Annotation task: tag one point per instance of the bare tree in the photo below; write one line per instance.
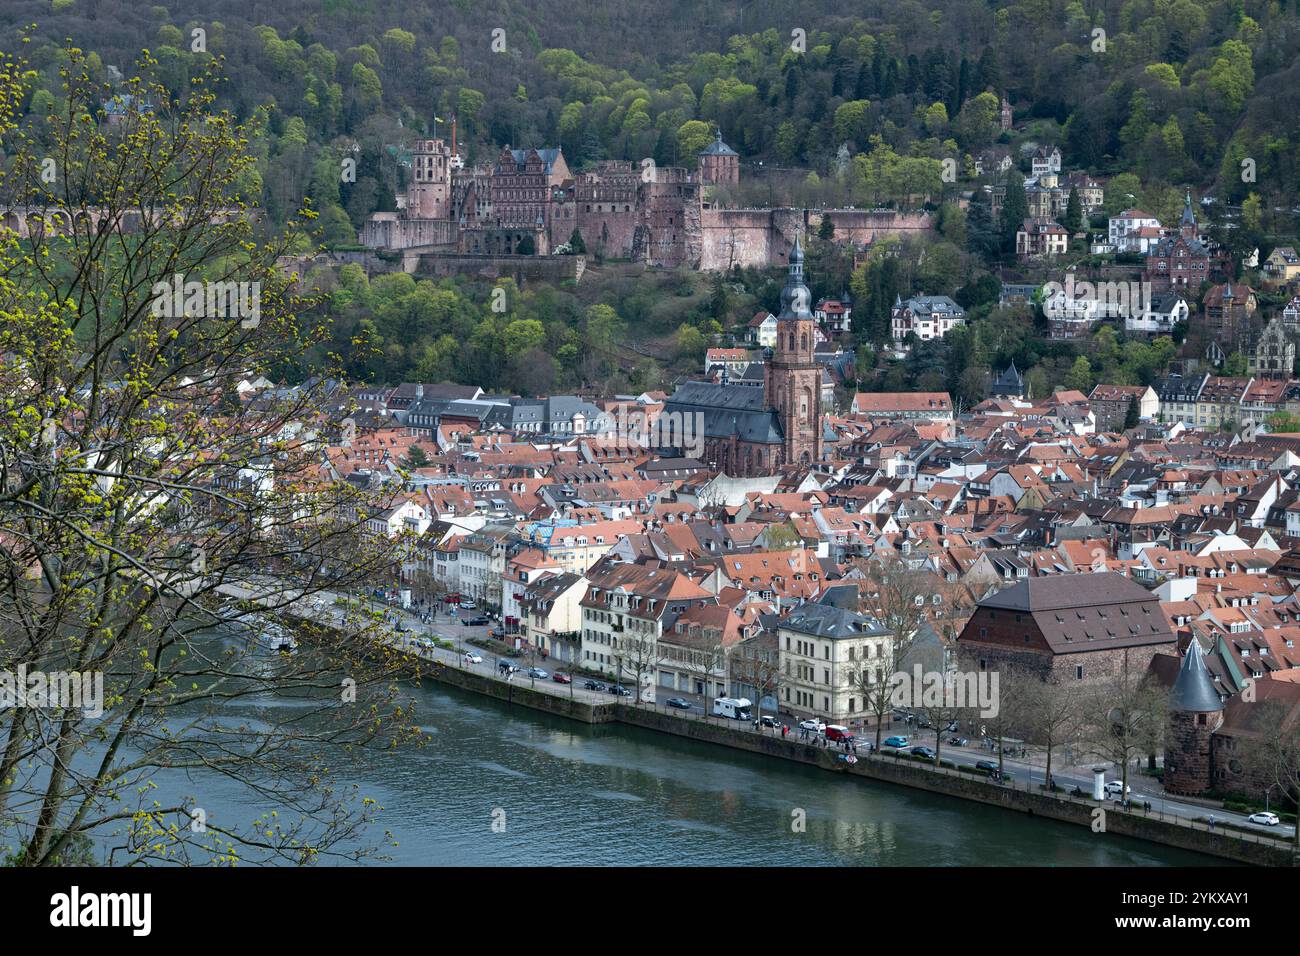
(1270, 747)
(895, 595)
(1120, 714)
(637, 654)
(137, 492)
(1052, 715)
(756, 664)
(942, 710)
(1010, 717)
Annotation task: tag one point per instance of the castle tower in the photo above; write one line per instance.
(1195, 713)
(793, 376)
(719, 164)
(429, 194)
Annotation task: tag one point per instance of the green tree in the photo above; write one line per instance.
(113, 557)
(1073, 212)
(1015, 209)
(1080, 375)
(1132, 416)
(1235, 365)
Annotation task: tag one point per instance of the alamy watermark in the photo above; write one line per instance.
(1096, 300)
(950, 690)
(71, 690)
(634, 430)
(214, 300)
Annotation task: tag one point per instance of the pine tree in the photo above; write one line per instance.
(1131, 417)
(1015, 209)
(1073, 212)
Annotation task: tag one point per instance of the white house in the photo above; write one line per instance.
(761, 330)
(1161, 312)
(827, 655)
(1134, 231)
(928, 316)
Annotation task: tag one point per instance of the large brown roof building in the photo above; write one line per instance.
(1066, 627)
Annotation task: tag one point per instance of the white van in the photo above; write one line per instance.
(737, 708)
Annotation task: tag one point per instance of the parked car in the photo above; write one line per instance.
(958, 741)
(468, 605)
(896, 741)
(925, 752)
(506, 667)
(769, 721)
(1264, 819)
(988, 766)
(593, 685)
(813, 724)
(1116, 786)
(476, 621)
(618, 690)
(472, 658)
(561, 678)
(681, 703)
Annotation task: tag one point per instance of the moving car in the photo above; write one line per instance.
(468, 604)
(836, 732)
(896, 741)
(561, 678)
(618, 690)
(1264, 819)
(536, 673)
(925, 752)
(506, 667)
(769, 721)
(958, 741)
(813, 724)
(593, 685)
(1115, 786)
(476, 621)
(681, 703)
(426, 643)
(472, 658)
(988, 766)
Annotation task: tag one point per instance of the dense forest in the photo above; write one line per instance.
(858, 105)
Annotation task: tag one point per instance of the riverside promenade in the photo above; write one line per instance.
(1173, 822)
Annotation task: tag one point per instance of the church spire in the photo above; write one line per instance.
(795, 297)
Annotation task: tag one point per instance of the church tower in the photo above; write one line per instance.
(1195, 713)
(1187, 225)
(794, 378)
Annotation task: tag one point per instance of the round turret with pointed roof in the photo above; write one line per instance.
(1194, 691)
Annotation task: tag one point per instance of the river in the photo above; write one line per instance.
(502, 785)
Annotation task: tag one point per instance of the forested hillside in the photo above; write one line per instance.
(826, 103)
(1170, 90)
